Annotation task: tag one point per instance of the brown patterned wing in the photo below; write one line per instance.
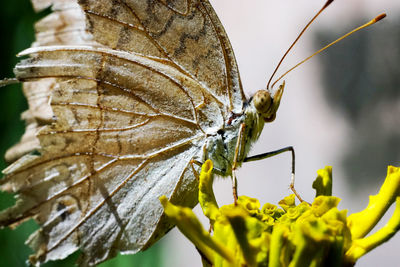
(118, 106)
(186, 32)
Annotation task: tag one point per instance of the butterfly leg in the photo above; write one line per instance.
(196, 174)
(274, 153)
(199, 163)
(238, 151)
(234, 188)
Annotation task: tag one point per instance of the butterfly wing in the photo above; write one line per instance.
(121, 96)
(185, 32)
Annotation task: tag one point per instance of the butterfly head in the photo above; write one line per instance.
(266, 104)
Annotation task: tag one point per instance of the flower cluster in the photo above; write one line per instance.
(316, 234)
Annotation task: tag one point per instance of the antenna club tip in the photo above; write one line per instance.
(380, 17)
(328, 2)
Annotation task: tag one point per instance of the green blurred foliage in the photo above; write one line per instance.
(16, 29)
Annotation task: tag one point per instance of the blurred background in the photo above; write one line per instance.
(341, 108)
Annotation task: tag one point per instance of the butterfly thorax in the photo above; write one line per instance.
(222, 145)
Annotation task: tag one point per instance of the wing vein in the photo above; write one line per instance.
(117, 86)
(97, 130)
(98, 206)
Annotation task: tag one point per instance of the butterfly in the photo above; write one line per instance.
(123, 96)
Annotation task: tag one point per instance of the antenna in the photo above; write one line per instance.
(328, 2)
(371, 22)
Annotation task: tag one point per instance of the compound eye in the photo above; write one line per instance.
(262, 101)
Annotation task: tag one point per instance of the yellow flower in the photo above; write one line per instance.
(294, 235)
